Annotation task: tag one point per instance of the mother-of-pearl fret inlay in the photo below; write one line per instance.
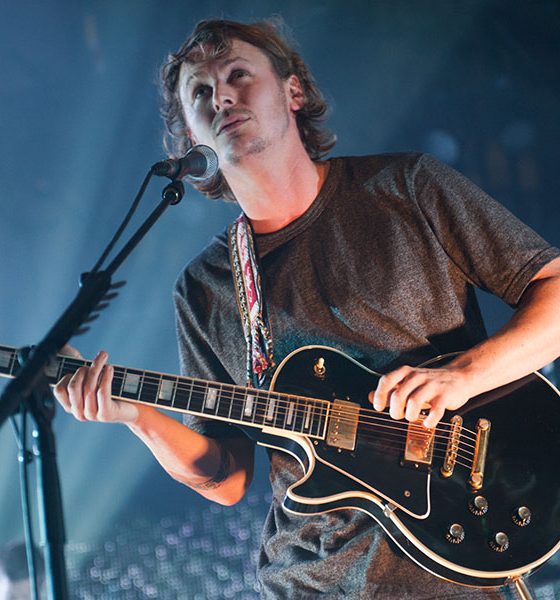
(307, 415)
(51, 370)
(165, 389)
(131, 382)
(194, 396)
(5, 358)
(291, 408)
(249, 401)
(270, 411)
(210, 398)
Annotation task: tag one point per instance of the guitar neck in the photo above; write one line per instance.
(221, 401)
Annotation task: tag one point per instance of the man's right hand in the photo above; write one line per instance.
(186, 455)
(87, 393)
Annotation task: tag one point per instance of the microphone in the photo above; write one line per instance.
(198, 164)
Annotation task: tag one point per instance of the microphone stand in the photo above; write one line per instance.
(30, 387)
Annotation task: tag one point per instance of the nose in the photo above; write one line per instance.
(223, 96)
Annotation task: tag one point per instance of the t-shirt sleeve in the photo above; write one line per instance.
(197, 358)
(492, 248)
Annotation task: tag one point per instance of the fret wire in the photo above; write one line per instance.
(174, 393)
(365, 417)
(123, 374)
(204, 396)
(195, 385)
(294, 409)
(302, 417)
(280, 416)
(230, 405)
(140, 386)
(300, 411)
(190, 393)
(13, 362)
(221, 395)
(314, 421)
(282, 401)
(60, 363)
(243, 404)
(159, 390)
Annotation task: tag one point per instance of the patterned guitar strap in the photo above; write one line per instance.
(250, 301)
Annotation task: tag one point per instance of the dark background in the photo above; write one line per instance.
(475, 83)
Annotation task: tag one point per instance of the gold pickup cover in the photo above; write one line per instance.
(343, 424)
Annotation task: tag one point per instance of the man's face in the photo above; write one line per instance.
(236, 104)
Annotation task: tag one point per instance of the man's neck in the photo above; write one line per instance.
(273, 193)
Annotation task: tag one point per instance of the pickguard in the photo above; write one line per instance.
(375, 465)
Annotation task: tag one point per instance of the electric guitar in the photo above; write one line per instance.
(475, 501)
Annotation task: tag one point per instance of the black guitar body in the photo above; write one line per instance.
(416, 505)
(354, 457)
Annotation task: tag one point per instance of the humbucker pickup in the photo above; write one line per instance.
(343, 424)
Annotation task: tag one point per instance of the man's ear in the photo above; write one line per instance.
(296, 94)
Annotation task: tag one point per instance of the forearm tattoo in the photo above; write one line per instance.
(221, 474)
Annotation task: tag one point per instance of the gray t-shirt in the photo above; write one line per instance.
(382, 266)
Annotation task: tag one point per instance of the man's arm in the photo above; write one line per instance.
(220, 470)
(528, 341)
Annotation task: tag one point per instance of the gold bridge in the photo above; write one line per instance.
(479, 460)
(452, 446)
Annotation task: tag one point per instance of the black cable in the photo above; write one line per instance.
(124, 223)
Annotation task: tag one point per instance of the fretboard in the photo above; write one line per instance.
(225, 402)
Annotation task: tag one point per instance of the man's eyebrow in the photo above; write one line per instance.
(228, 61)
(225, 63)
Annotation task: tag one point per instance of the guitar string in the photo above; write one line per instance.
(230, 390)
(397, 450)
(374, 419)
(229, 393)
(227, 388)
(196, 385)
(439, 448)
(439, 441)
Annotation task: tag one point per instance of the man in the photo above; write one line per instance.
(376, 256)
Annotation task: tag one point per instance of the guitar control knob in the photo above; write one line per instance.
(521, 516)
(478, 506)
(455, 534)
(500, 542)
